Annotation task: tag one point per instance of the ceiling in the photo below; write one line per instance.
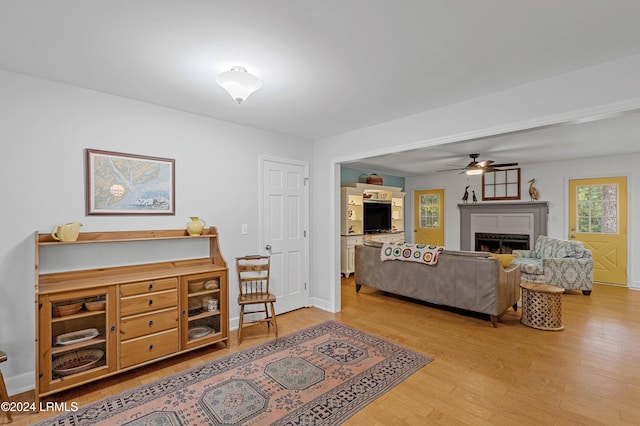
(616, 135)
(328, 66)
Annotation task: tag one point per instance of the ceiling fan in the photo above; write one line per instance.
(478, 167)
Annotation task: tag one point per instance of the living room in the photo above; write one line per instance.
(49, 122)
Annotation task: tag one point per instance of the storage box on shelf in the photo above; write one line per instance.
(92, 323)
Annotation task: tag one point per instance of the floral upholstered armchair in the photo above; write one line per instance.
(564, 264)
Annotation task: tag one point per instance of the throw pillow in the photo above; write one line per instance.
(504, 258)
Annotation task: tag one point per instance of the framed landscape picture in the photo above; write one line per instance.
(128, 184)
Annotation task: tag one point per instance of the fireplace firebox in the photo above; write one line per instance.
(501, 243)
(521, 218)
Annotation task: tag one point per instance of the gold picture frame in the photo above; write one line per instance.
(128, 184)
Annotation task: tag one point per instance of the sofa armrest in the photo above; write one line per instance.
(569, 273)
(522, 253)
(508, 289)
(510, 268)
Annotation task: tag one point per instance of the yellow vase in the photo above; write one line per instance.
(196, 225)
(66, 232)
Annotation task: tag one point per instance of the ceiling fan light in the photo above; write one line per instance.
(239, 83)
(474, 171)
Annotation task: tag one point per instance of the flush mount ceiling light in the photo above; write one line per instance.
(239, 83)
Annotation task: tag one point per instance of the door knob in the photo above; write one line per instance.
(268, 247)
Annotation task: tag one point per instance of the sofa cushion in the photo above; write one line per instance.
(547, 247)
(530, 265)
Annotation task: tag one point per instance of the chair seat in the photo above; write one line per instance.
(246, 299)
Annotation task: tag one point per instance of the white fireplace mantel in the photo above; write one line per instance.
(528, 218)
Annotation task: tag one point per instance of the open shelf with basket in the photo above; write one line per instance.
(204, 297)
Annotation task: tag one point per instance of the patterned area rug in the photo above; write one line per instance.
(319, 376)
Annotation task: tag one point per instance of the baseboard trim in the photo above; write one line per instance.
(21, 383)
(325, 305)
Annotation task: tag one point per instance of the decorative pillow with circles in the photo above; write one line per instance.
(409, 252)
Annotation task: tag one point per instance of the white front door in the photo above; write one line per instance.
(285, 219)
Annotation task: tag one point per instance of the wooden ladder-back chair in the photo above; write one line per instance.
(4, 395)
(253, 279)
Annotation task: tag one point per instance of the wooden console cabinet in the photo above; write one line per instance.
(125, 316)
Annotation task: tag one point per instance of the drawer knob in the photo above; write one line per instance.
(150, 348)
(112, 328)
(150, 302)
(150, 323)
(150, 286)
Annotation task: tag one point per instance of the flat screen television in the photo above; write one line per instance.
(377, 217)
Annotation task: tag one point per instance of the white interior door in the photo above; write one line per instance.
(285, 218)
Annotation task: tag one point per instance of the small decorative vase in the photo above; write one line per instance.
(196, 225)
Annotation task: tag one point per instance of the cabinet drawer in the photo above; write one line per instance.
(148, 302)
(143, 349)
(141, 325)
(145, 287)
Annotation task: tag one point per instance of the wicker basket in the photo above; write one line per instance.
(212, 284)
(68, 309)
(195, 286)
(374, 179)
(97, 305)
(77, 361)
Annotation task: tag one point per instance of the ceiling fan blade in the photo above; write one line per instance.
(452, 170)
(483, 166)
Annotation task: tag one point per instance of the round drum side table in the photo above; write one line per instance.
(541, 306)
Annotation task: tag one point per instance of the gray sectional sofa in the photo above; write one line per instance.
(466, 280)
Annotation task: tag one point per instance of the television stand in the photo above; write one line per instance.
(353, 198)
(385, 237)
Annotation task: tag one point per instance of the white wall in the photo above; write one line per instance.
(552, 180)
(609, 87)
(44, 129)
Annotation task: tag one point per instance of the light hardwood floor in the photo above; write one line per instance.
(587, 374)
